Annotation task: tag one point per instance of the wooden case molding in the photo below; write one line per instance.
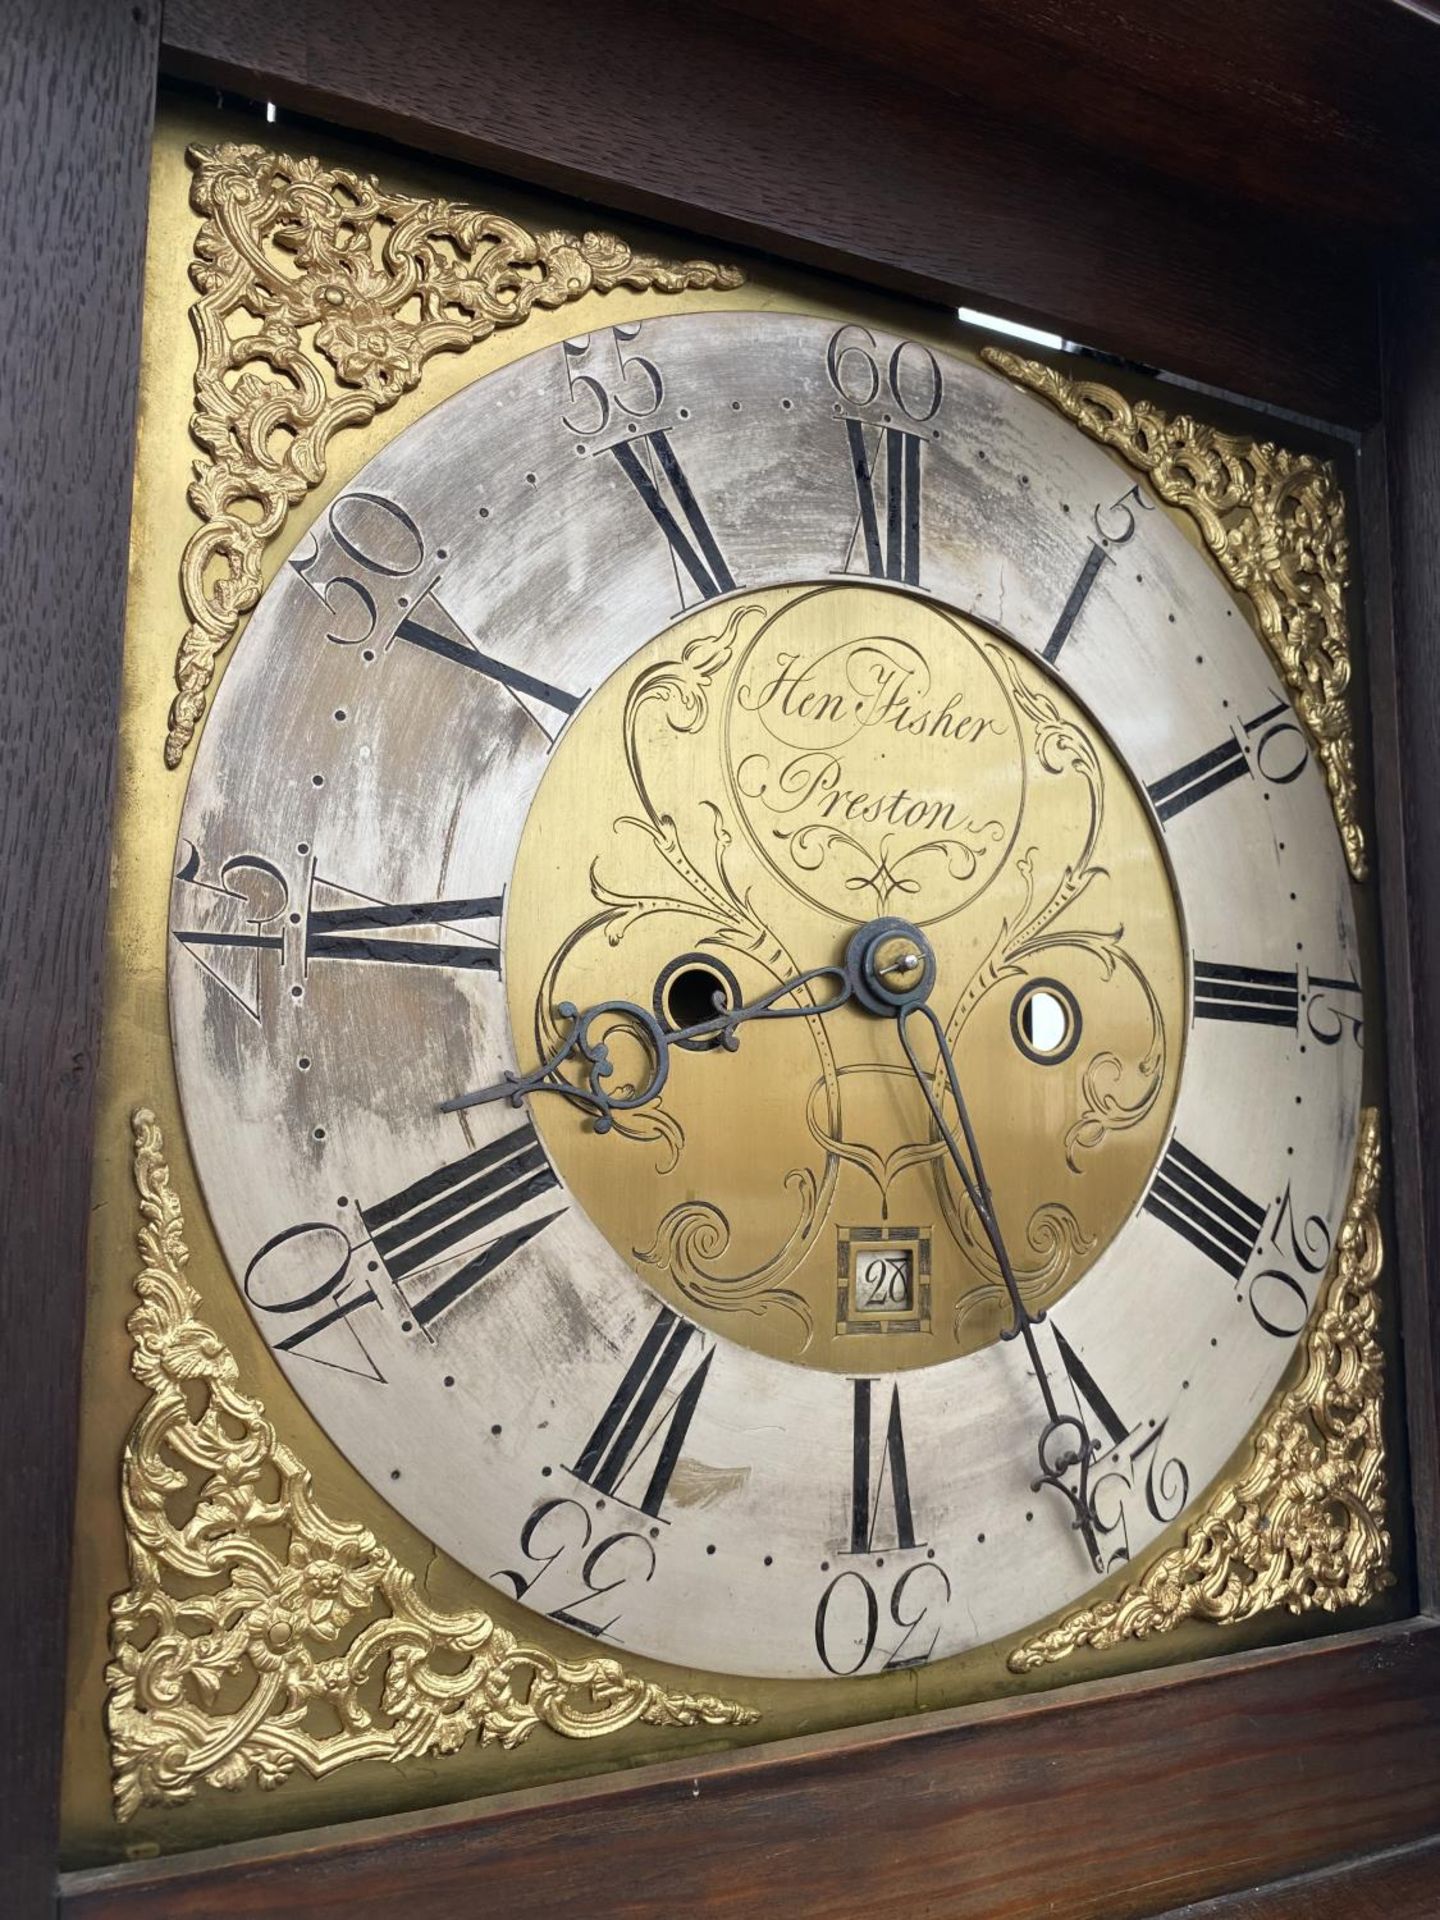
(1112, 1800)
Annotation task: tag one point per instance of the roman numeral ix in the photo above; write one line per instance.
(366, 932)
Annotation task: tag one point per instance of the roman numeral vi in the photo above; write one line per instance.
(872, 1480)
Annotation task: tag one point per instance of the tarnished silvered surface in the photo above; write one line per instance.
(429, 1283)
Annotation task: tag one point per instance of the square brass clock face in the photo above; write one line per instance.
(742, 968)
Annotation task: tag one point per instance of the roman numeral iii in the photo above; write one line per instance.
(1257, 996)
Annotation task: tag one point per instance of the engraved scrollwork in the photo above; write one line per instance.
(322, 299)
(259, 1635)
(885, 877)
(581, 1054)
(878, 1166)
(1304, 1525)
(1275, 522)
(1110, 1105)
(1052, 1234)
(696, 1233)
(1118, 1094)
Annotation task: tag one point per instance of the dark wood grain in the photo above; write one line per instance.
(1322, 109)
(1403, 1883)
(1115, 1800)
(746, 133)
(1393, 798)
(76, 87)
(1412, 441)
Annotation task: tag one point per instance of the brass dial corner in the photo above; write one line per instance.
(354, 290)
(1304, 1526)
(1274, 521)
(257, 1606)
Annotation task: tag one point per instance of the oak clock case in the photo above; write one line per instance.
(664, 667)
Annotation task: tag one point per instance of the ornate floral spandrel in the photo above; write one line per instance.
(1304, 1526)
(1275, 522)
(258, 1634)
(322, 298)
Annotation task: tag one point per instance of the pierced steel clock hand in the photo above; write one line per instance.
(862, 976)
(897, 971)
(889, 969)
(588, 1042)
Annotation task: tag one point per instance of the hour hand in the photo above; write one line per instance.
(586, 1050)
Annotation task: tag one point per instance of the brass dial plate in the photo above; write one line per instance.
(771, 770)
(345, 887)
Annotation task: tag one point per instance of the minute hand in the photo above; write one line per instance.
(1064, 1442)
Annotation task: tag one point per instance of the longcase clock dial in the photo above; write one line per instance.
(765, 995)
